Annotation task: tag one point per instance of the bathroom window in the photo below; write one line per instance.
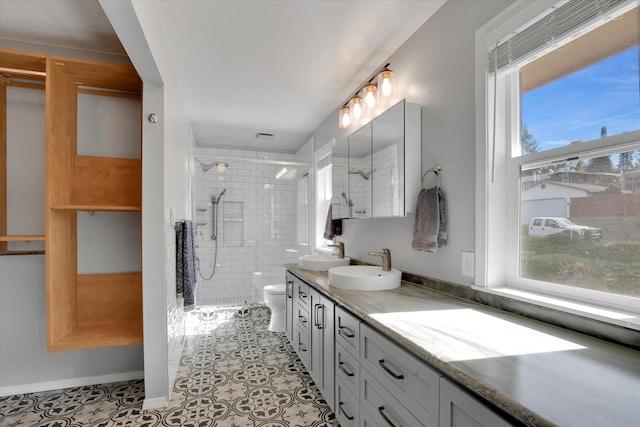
(560, 163)
(323, 193)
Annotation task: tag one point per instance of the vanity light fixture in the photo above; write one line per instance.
(344, 120)
(386, 82)
(370, 93)
(352, 109)
(356, 107)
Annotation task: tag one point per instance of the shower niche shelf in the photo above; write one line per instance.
(93, 164)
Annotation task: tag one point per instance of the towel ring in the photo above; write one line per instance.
(437, 169)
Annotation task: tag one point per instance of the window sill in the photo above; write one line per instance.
(603, 314)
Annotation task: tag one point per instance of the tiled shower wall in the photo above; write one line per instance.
(259, 221)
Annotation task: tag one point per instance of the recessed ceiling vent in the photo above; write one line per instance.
(265, 136)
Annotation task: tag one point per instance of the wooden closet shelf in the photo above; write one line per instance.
(92, 208)
(21, 238)
(93, 336)
(25, 252)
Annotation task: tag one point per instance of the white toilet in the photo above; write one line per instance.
(274, 298)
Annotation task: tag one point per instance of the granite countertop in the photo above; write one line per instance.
(540, 374)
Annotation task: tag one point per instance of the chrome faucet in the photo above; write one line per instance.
(340, 247)
(386, 258)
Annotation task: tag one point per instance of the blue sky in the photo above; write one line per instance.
(577, 106)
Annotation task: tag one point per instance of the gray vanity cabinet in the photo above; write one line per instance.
(289, 305)
(322, 345)
(460, 409)
(368, 379)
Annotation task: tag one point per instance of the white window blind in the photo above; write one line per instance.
(549, 30)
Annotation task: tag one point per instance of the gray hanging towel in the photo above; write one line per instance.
(186, 264)
(443, 230)
(431, 226)
(427, 221)
(333, 227)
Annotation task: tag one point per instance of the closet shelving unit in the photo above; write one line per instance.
(20, 70)
(83, 310)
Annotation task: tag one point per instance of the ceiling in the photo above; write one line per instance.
(244, 67)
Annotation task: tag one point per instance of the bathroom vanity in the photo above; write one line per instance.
(416, 357)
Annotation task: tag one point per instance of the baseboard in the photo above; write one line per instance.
(155, 403)
(72, 382)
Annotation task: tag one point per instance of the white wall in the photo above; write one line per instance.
(165, 168)
(436, 69)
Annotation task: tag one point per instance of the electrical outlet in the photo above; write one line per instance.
(467, 264)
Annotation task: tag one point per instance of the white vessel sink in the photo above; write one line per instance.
(321, 262)
(364, 278)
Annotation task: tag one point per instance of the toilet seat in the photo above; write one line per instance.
(278, 289)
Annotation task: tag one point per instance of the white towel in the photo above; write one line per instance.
(430, 228)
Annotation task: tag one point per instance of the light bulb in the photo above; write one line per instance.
(386, 82)
(356, 107)
(370, 92)
(344, 119)
(221, 166)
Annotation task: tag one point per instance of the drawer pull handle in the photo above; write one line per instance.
(345, 332)
(343, 369)
(302, 319)
(349, 417)
(316, 316)
(289, 282)
(381, 410)
(301, 294)
(389, 371)
(301, 347)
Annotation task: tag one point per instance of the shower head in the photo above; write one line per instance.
(206, 166)
(363, 174)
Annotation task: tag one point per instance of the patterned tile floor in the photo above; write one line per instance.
(233, 372)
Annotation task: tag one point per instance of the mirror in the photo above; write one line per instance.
(360, 172)
(341, 203)
(372, 176)
(387, 136)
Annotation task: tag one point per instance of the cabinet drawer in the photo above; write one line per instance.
(301, 294)
(348, 370)
(411, 381)
(348, 331)
(301, 318)
(301, 345)
(382, 408)
(347, 406)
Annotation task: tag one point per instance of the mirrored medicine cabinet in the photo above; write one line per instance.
(376, 169)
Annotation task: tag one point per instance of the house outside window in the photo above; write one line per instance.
(560, 152)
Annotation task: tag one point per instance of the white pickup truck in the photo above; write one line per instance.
(544, 226)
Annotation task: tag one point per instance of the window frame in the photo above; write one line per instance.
(498, 178)
(321, 206)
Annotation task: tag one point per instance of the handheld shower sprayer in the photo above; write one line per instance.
(215, 200)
